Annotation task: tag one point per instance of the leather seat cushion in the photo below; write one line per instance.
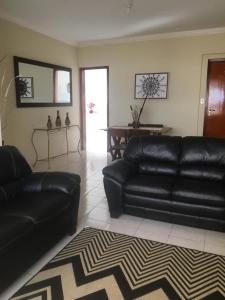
(155, 186)
(209, 193)
(39, 207)
(202, 211)
(147, 202)
(12, 228)
(203, 158)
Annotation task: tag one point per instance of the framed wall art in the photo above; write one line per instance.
(25, 86)
(151, 85)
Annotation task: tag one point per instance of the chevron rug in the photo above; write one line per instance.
(102, 265)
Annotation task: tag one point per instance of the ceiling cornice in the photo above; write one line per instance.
(160, 36)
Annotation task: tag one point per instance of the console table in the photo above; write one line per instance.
(153, 130)
(53, 130)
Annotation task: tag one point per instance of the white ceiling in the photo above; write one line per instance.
(80, 21)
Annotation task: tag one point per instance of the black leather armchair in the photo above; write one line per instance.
(36, 210)
(174, 179)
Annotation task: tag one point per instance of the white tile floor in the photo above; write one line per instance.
(94, 212)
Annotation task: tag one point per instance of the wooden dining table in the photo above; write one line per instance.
(152, 130)
(117, 148)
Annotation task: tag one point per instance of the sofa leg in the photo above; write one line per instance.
(73, 219)
(72, 229)
(115, 215)
(72, 226)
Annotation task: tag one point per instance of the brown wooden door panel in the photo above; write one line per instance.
(214, 124)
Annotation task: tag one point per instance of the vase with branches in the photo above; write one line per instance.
(136, 112)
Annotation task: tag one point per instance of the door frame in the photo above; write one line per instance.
(82, 102)
(207, 91)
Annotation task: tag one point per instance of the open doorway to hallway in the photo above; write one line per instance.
(94, 109)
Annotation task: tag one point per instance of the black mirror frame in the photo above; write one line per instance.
(18, 60)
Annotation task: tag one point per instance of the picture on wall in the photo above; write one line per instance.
(25, 87)
(151, 85)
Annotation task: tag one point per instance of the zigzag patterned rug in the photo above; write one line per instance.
(102, 265)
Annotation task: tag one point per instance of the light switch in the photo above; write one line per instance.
(202, 101)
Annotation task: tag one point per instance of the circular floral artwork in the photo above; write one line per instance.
(151, 86)
(25, 87)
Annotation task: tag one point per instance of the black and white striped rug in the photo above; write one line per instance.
(100, 265)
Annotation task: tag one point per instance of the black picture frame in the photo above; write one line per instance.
(162, 88)
(20, 104)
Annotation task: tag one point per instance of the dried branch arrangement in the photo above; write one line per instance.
(4, 92)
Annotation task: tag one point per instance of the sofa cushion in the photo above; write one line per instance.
(12, 228)
(150, 185)
(203, 158)
(13, 165)
(38, 207)
(158, 168)
(3, 196)
(9, 191)
(14, 168)
(147, 202)
(198, 192)
(154, 154)
(198, 210)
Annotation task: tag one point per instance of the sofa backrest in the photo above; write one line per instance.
(13, 168)
(155, 154)
(203, 158)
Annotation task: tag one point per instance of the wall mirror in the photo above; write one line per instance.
(41, 84)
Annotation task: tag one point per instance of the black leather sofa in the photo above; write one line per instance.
(173, 179)
(36, 211)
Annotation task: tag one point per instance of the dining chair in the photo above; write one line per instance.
(117, 138)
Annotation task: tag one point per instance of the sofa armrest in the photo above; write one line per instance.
(120, 170)
(51, 181)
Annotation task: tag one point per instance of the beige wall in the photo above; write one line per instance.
(181, 57)
(184, 58)
(15, 40)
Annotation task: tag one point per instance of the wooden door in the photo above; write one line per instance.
(214, 124)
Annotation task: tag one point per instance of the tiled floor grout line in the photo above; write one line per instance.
(141, 222)
(169, 234)
(204, 241)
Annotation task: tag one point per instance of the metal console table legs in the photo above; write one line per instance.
(54, 130)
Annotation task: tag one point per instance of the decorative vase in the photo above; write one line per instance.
(135, 112)
(136, 124)
(58, 122)
(49, 123)
(67, 120)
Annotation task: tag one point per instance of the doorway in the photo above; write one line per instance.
(214, 120)
(94, 108)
